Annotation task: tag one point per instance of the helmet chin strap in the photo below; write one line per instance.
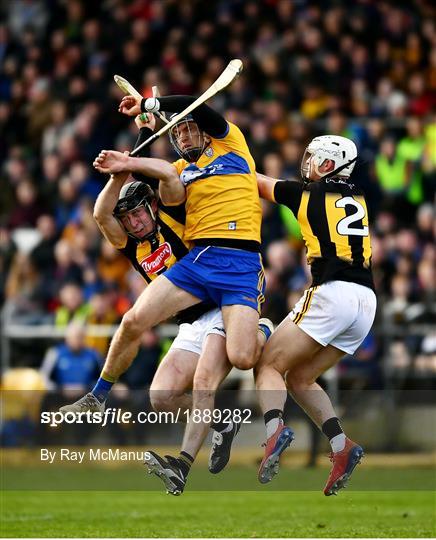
(153, 236)
(331, 174)
(150, 211)
(318, 172)
(339, 169)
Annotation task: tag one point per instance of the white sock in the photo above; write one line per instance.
(338, 442)
(271, 426)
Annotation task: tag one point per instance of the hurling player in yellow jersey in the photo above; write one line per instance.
(151, 236)
(216, 176)
(335, 313)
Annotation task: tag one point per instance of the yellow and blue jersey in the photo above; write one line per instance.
(222, 195)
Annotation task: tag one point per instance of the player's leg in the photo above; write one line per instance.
(287, 348)
(210, 335)
(224, 431)
(172, 380)
(354, 306)
(302, 385)
(159, 301)
(212, 368)
(241, 324)
(176, 372)
(301, 382)
(265, 328)
(338, 315)
(235, 280)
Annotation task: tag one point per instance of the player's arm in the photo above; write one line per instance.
(207, 119)
(103, 211)
(287, 192)
(171, 188)
(266, 185)
(146, 129)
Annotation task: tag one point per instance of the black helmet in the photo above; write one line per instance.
(133, 195)
(191, 154)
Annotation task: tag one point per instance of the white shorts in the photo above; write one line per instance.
(338, 313)
(191, 336)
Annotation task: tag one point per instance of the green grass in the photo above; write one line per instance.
(237, 477)
(212, 514)
(217, 514)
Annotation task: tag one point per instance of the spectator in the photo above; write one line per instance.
(411, 150)
(24, 291)
(27, 209)
(65, 269)
(72, 365)
(367, 72)
(58, 127)
(425, 222)
(43, 254)
(112, 265)
(7, 251)
(100, 313)
(72, 308)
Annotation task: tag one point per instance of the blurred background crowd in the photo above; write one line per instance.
(363, 69)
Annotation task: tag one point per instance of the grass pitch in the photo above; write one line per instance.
(252, 514)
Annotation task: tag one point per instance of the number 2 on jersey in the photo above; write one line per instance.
(344, 226)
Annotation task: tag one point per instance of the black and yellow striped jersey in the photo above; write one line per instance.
(333, 218)
(153, 258)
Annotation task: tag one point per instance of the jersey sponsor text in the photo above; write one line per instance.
(155, 262)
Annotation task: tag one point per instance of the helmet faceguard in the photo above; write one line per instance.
(187, 139)
(340, 150)
(134, 197)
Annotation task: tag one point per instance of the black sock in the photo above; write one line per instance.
(273, 413)
(185, 460)
(331, 428)
(220, 426)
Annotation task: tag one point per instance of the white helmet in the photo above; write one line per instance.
(339, 149)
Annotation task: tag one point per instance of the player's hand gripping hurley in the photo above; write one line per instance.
(233, 69)
(131, 90)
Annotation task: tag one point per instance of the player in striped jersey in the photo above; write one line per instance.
(151, 236)
(216, 177)
(335, 313)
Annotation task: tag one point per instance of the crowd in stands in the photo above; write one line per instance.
(365, 69)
